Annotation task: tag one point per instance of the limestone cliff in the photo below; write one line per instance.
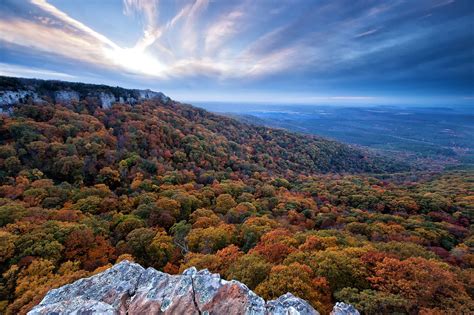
(128, 288)
(20, 90)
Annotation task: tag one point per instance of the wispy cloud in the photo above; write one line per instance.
(72, 22)
(29, 72)
(52, 40)
(218, 32)
(442, 3)
(366, 33)
(148, 11)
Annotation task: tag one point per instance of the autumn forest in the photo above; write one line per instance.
(171, 186)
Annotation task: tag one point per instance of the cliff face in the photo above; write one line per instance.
(19, 90)
(128, 288)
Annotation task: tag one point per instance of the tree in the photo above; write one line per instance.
(341, 267)
(441, 288)
(38, 243)
(125, 224)
(253, 228)
(160, 249)
(275, 245)
(211, 239)
(138, 242)
(180, 232)
(13, 165)
(299, 280)
(374, 302)
(109, 176)
(250, 269)
(91, 204)
(227, 256)
(10, 213)
(201, 261)
(314, 242)
(169, 205)
(91, 250)
(7, 246)
(33, 282)
(224, 203)
(404, 250)
(240, 212)
(204, 218)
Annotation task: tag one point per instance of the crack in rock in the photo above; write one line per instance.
(194, 295)
(131, 293)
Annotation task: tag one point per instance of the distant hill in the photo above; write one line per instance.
(157, 132)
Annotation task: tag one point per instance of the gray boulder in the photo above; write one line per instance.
(342, 308)
(128, 288)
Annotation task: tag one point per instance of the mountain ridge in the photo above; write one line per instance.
(286, 150)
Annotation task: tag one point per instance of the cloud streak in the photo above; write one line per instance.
(148, 9)
(12, 70)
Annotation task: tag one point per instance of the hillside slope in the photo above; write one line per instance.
(158, 134)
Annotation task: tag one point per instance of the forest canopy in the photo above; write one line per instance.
(171, 186)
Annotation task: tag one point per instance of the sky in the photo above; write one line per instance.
(280, 51)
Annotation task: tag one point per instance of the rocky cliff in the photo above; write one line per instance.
(128, 288)
(19, 91)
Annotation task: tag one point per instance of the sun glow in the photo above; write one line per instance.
(136, 60)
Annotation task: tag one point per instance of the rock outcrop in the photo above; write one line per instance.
(20, 91)
(66, 96)
(9, 97)
(128, 288)
(342, 308)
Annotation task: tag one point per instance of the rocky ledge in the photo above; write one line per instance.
(19, 91)
(128, 288)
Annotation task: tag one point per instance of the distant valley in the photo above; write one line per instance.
(438, 136)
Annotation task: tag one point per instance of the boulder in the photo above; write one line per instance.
(128, 288)
(342, 308)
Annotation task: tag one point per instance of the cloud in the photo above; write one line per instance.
(276, 61)
(352, 98)
(29, 72)
(366, 33)
(189, 33)
(442, 3)
(300, 43)
(148, 10)
(57, 41)
(72, 22)
(223, 29)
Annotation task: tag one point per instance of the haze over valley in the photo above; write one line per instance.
(431, 136)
